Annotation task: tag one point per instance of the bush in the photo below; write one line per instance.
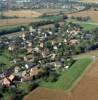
(52, 77)
(11, 30)
(41, 23)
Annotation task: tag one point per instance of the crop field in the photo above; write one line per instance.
(86, 88)
(23, 17)
(91, 13)
(23, 13)
(26, 16)
(17, 21)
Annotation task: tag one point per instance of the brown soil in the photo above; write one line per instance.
(23, 13)
(86, 89)
(25, 17)
(91, 13)
(16, 21)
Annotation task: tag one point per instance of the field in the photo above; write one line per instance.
(68, 77)
(88, 54)
(86, 25)
(91, 13)
(89, 1)
(86, 88)
(24, 17)
(27, 16)
(5, 59)
(23, 13)
(16, 21)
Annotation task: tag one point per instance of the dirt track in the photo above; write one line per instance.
(86, 89)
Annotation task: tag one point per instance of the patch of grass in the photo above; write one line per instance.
(51, 17)
(5, 58)
(68, 77)
(88, 54)
(86, 25)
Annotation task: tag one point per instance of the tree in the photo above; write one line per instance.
(53, 76)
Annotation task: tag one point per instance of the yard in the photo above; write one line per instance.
(68, 77)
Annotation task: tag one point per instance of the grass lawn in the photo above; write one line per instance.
(68, 77)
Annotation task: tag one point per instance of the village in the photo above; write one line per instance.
(48, 49)
(38, 54)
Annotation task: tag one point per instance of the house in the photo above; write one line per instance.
(16, 69)
(52, 43)
(28, 57)
(27, 77)
(30, 65)
(24, 36)
(35, 71)
(18, 60)
(12, 47)
(74, 41)
(66, 67)
(41, 45)
(45, 53)
(55, 48)
(29, 49)
(65, 41)
(23, 73)
(53, 56)
(36, 49)
(57, 65)
(11, 77)
(7, 81)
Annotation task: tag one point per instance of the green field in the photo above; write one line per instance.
(51, 17)
(68, 77)
(88, 54)
(5, 58)
(86, 25)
